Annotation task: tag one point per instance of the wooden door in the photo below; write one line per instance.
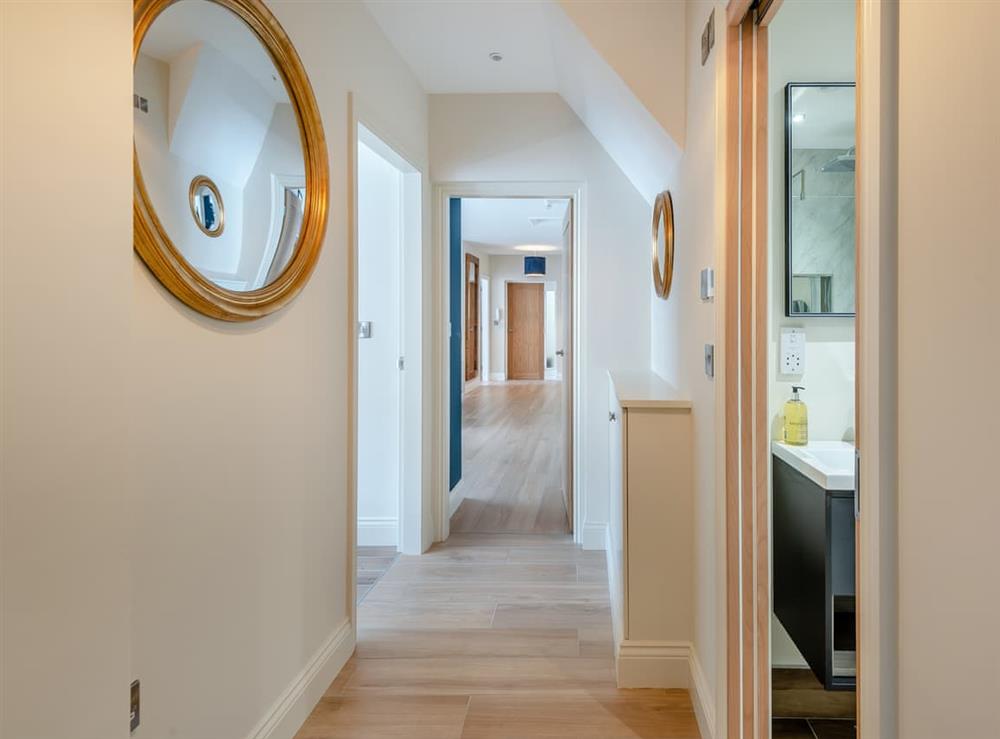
(471, 317)
(525, 331)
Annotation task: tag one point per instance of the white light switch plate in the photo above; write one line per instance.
(793, 351)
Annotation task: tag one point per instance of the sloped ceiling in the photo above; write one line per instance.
(621, 77)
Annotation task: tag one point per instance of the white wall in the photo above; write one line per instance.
(949, 156)
(239, 569)
(808, 41)
(168, 176)
(683, 324)
(380, 187)
(66, 488)
(537, 137)
(281, 154)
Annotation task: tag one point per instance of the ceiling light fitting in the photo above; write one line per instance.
(496, 56)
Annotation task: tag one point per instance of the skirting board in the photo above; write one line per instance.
(593, 535)
(702, 698)
(497, 377)
(295, 704)
(378, 532)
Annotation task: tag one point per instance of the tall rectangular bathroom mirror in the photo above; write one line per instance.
(819, 199)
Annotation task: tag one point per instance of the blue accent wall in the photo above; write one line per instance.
(455, 285)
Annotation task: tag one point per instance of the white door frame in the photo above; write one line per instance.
(878, 85)
(414, 526)
(877, 419)
(443, 192)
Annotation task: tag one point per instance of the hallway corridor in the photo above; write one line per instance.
(492, 637)
(511, 460)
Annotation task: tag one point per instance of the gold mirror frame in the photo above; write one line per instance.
(193, 191)
(663, 213)
(151, 240)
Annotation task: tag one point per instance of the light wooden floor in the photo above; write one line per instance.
(512, 460)
(492, 637)
(373, 563)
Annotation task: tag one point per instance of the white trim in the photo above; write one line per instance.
(594, 536)
(289, 712)
(701, 697)
(440, 270)
(878, 43)
(279, 183)
(653, 664)
(498, 377)
(376, 531)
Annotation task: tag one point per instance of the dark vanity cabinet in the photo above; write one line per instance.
(813, 533)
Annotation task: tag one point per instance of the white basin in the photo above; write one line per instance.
(829, 464)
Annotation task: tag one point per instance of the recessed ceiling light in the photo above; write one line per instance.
(799, 118)
(536, 247)
(496, 56)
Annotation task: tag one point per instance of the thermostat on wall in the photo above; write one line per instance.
(793, 351)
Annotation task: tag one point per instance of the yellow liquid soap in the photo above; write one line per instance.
(796, 420)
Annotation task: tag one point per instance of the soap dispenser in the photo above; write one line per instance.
(796, 419)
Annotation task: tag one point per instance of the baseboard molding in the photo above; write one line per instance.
(378, 532)
(702, 698)
(653, 664)
(295, 704)
(593, 535)
(497, 377)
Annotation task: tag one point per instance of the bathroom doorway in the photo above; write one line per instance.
(792, 255)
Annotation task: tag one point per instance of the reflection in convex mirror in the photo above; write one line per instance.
(218, 145)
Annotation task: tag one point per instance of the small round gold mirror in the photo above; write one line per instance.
(231, 169)
(206, 206)
(663, 244)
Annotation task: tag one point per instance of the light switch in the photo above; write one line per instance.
(793, 351)
(364, 329)
(707, 283)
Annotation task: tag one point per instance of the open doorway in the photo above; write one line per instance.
(510, 430)
(792, 334)
(387, 358)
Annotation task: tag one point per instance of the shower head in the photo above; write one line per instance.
(840, 163)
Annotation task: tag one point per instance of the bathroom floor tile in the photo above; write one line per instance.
(791, 728)
(833, 728)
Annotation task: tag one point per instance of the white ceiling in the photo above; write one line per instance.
(447, 44)
(497, 225)
(191, 22)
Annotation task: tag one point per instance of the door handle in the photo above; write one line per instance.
(612, 417)
(857, 484)
(560, 352)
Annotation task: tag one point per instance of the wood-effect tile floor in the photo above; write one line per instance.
(492, 636)
(512, 460)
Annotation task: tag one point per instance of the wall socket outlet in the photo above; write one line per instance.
(793, 351)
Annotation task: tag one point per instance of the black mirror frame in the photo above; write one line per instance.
(788, 204)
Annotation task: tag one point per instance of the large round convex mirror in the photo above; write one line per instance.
(663, 244)
(231, 171)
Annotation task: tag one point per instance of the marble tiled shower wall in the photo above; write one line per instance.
(823, 223)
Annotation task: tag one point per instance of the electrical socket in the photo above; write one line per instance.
(793, 351)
